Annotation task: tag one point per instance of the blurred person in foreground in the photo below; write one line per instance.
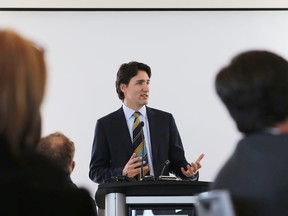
(29, 183)
(254, 88)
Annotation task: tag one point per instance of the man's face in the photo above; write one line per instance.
(136, 93)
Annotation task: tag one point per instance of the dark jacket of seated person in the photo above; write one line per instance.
(60, 149)
(32, 185)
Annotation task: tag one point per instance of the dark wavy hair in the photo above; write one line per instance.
(254, 88)
(126, 72)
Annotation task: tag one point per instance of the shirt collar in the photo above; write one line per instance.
(129, 112)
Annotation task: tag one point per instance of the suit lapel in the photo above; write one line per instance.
(122, 131)
(153, 124)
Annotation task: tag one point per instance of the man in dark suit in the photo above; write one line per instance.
(113, 153)
(254, 88)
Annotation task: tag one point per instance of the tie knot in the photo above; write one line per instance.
(136, 114)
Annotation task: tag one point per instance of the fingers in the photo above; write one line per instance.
(189, 172)
(131, 168)
(133, 156)
(193, 168)
(137, 171)
(133, 159)
(188, 169)
(135, 162)
(135, 168)
(139, 163)
(197, 164)
(183, 171)
(200, 158)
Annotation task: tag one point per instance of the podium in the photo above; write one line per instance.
(125, 198)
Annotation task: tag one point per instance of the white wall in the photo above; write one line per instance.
(185, 49)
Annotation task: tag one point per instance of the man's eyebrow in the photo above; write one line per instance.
(143, 80)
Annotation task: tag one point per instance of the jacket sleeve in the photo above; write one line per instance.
(100, 165)
(176, 152)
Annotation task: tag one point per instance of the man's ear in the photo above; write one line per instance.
(123, 87)
(72, 166)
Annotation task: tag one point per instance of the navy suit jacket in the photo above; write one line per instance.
(112, 145)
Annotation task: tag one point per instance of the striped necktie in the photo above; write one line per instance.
(139, 143)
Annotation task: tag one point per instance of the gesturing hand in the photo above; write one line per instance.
(130, 168)
(192, 168)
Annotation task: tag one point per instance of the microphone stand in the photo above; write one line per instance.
(141, 175)
(163, 177)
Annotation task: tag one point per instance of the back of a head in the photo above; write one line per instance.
(59, 148)
(22, 85)
(254, 88)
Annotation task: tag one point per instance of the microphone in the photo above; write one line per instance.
(142, 176)
(141, 167)
(163, 177)
(166, 164)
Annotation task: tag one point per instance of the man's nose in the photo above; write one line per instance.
(145, 87)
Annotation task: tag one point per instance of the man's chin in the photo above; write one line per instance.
(143, 103)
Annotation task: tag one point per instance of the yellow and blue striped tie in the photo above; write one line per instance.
(139, 143)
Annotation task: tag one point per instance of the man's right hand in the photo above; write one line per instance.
(130, 168)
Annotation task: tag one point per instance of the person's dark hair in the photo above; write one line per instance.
(126, 72)
(254, 88)
(59, 148)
